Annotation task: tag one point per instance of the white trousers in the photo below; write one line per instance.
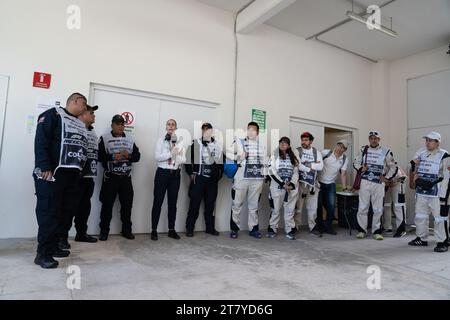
(250, 190)
(391, 205)
(425, 206)
(370, 192)
(305, 198)
(276, 198)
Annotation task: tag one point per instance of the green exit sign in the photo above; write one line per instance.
(260, 117)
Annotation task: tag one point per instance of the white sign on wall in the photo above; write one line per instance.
(44, 103)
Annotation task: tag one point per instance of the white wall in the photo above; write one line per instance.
(399, 72)
(289, 76)
(178, 47)
(186, 49)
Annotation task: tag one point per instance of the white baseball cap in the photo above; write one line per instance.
(375, 133)
(433, 135)
(344, 143)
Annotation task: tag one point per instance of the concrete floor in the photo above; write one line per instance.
(207, 267)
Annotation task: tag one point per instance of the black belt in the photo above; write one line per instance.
(170, 171)
(118, 176)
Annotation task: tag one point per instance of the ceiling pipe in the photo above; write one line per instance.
(314, 36)
(346, 50)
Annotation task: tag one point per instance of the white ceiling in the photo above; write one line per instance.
(421, 24)
(228, 5)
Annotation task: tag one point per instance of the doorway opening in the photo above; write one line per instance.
(331, 138)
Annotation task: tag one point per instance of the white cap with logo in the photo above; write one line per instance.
(433, 135)
(375, 134)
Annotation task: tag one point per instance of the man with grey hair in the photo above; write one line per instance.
(335, 162)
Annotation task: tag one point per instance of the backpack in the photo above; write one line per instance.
(300, 152)
(330, 153)
(230, 167)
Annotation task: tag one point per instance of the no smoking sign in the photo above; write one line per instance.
(129, 118)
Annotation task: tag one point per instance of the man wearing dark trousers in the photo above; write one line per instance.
(87, 183)
(170, 155)
(205, 168)
(117, 152)
(60, 155)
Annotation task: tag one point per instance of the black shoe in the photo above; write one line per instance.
(189, 234)
(174, 235)
(154, 235)
(103, 237)
(316, 232)
(85, 238)
(441, 247)
(290, 236)
(417, 242)
(46, 262)
(320, 228)
(128, 235)
(330, 231)
(213, 232)
(61, 253)
(63, 244)
(399, 233)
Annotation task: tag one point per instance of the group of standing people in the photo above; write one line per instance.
(67, 151)
(383, 181)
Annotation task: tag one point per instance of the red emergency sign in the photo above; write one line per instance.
(42, 80)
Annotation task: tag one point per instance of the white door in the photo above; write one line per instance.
(189, 118)
(428, 110)
(4, 80)
(331, 139)
(151, 112)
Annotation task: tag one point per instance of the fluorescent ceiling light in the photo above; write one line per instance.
(363, 20)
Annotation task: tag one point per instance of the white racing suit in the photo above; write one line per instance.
(248, 181)
(432, 167)
(380, 162)
(308, 185)
(445, 199)
(281, 172)
(394, 203)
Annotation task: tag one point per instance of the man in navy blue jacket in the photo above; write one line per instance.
(60, 155)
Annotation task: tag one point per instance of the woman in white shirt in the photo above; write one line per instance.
(170, 155)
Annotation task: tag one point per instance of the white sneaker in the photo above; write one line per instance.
(361, 235)
(378, 237)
